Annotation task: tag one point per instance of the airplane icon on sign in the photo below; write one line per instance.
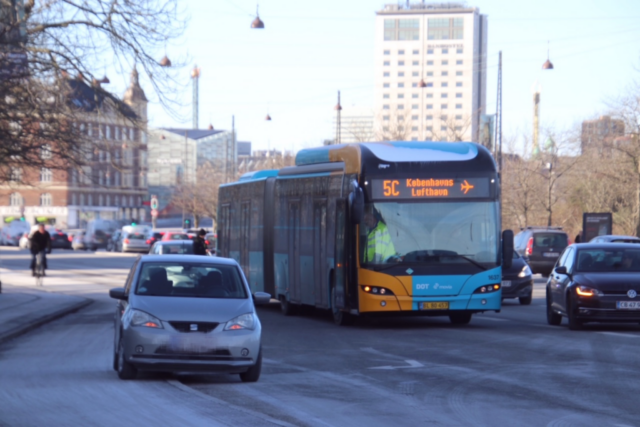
(465, 186)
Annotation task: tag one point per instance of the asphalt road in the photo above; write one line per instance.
(507, 368)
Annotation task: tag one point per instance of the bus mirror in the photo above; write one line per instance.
(507, 249)
(356, 205)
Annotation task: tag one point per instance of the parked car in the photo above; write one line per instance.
(99, 232)
(12, 232)
(187, 313)
(172, 247)
(78, 242)
(175, 235)
(611, 238)
(595, 282)
(155, 236)
(517, 281)
(134, 241)
(540, 247)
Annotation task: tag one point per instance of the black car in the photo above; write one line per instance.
(517, 281)
(612, 238)
(59, 239)
(541, 247)
(595, 282)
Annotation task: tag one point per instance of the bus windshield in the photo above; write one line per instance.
(430, 233)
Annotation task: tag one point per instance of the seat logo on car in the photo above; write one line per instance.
(631, 293)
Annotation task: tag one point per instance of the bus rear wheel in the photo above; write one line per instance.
(460, 318)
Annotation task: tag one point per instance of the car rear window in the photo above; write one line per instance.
(190, 279)
(550, 240)
(179, 249)
(136, 236)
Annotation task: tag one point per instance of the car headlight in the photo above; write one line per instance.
(526, 271)
(585, 291)
(244, 321)
(140, 318)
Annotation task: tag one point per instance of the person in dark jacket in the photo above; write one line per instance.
(40, 241)
(199, 246)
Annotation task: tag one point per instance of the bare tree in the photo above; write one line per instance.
(44, 45)
(451, 129)
(393, 126)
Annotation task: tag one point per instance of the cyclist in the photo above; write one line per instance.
(199, 245)
(40, 241)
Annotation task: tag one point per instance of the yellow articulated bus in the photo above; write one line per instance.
(372, 228)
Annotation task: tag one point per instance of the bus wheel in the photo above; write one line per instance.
(286, 307)
(340, 317)
(460, 318)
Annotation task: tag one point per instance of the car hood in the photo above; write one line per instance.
(516, 267)
(609, 281)
(193, 309)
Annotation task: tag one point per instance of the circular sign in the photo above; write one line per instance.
(154, 203)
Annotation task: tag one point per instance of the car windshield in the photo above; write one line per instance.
(608, 260)
(431, 233)
(177, 248)
(190, 279)
(550, 240)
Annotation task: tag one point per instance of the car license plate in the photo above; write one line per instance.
(506, 283)
(551, 254)
(435, 306)
(628, 305)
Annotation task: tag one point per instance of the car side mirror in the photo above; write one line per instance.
(261, 298)
(562, 270)
(507, 249)
(118, 293)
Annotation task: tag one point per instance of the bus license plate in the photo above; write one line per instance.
(435, 306)
(628, 305)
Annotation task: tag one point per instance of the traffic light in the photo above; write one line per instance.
(133, 224)
(187, 223)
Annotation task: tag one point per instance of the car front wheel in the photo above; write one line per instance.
(553, 318)
(126, 371)
(253, 374)
(575, 324)
(525, 300)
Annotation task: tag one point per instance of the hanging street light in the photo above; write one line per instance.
(257, 23)
(547, 64)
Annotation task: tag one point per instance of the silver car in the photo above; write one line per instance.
(187, 313)
(135, 241)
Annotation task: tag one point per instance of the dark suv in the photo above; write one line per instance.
(541, 247)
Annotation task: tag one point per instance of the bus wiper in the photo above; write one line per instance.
(476, 263)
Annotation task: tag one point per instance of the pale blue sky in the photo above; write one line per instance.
(308, 51)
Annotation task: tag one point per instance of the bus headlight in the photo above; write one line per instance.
(376, 290)
(487, 289)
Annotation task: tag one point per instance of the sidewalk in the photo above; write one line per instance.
(23, 309)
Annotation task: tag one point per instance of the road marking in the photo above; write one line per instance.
(411, 364)
(619, 334)
(495, 319)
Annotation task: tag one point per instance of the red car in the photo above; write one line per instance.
(175, 235)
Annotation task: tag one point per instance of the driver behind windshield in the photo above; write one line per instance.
(379, 247)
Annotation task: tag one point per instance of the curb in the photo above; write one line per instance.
(20, 330)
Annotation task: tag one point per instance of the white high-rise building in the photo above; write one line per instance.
(430, 72)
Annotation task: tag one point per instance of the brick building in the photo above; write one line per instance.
(112, 183)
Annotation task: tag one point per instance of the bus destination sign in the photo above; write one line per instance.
(430, 188)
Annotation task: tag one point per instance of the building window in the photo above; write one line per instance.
(46, 176)
(414, 117)
(459, 62)
(90, 200)
(117, 133)
(458, 84)
(401, 119)
(415, 74)
(430, 84)
(117, 176)
(385, 85)
(401, 95)
(401, 52)
(107, 128)
(458, 73)
(416, 52)
(445, 62)
(429, 51)
(16, 175)
(128, 179)
(429, 106)
(124, 134)
(400, 73)
(82, 200)
(414, 84)
(443, 128)
(414, 138)
(132, 134)
(46, 199)
(458, 95)
(445, 84)
(116, 200)
(108, 200)
(429, 95)
(100, 200)
(385, 74)
(400, 63)
(45, 152)
(445, 73)
(444, 106)
(400, 107)
(414, 107)
(445, 50)
(400, 84)
(444, 95)
(459, 50)
(385, 128)
(414, 95)
(429, 62)
(385, 107)
(459, 117)
(386, 63)
(445, 28)
(100, 177)
(385, 96)
(458, 128)
(387, 52)
(429, 128)
(401, 29)
(444, 117)
(459, 106)
(429, 73)
(131, 201)
(385, 117)
(74, 199)
(15, 199)
(429, 117)
(428, 139)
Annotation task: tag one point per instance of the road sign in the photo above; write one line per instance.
(154, 203)
(154, 213)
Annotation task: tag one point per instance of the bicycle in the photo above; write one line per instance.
(39, 268)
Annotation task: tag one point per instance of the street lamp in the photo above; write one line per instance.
(547, 64)
(257, 23)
